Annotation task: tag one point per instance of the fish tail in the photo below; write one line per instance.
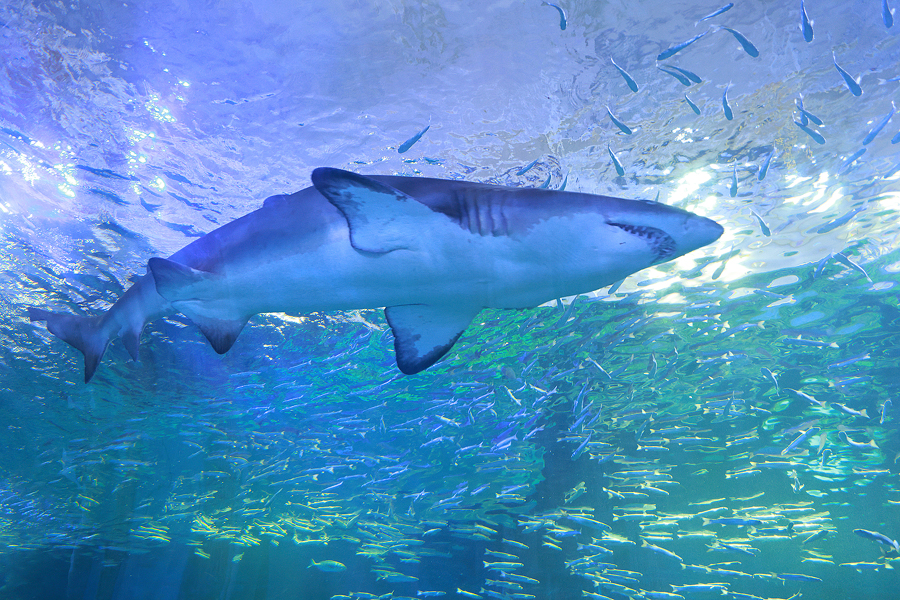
(83, 333)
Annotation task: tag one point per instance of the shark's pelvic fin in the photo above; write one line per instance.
(174, 282)
(423, 334)
(221, 333)
(132, 340)
(381, 218)
(83, 333)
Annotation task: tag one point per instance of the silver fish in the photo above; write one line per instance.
(815, 135)
(619, 169)
(765, 167)
(409, 143)
(693, 106)
(852, 84)
(562, 14)
(622, 126)
(805, 24)
(632, 84)
(672, 51)
(728, 114)
(746, 44)
(727, 7)
(877, 129)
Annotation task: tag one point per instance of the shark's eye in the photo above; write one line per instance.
(660, 241)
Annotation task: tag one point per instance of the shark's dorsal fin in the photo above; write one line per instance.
(381, 218)
(174, 282)
(425, 333)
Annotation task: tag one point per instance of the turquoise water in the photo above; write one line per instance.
(567, 439)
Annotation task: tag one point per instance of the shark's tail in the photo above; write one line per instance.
(83, 333)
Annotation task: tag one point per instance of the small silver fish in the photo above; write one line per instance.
(681, 78)
(619, 169)
(734, 186)
(843, 258)
(842, 219)
(817, 535)
(327, 566)
(851, 159)
(679, 47)
(409, 143)
(748, 47)
(887, 14)
(847, 410)
(693, 106)
(852, 84)
(765, 167)
(632, 84)
(854, 444)
(818, 137)
(625, 129)
(727, 7)
(805, 24)
(884, 409)
(878, 537)
(689, 74)
(800, 438)
(877, 129)
(526, 168)
(771, 376)
(580, 450)
(728, 114)
(762, 224)
(805, 115)
(562, 14)
(662, 551)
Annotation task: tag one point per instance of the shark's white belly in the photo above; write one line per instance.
(484, 273)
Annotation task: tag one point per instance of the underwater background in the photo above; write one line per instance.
(721, 426)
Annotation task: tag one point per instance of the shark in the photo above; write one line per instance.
(431, 252)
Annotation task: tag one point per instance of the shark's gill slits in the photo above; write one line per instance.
(661, 242)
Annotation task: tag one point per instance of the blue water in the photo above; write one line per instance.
(127, 130)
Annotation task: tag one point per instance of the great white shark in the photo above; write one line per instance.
(433, 252)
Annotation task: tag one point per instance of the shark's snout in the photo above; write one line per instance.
(702, 231)
(669, 232)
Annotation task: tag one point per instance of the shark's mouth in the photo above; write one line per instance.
(661, 242)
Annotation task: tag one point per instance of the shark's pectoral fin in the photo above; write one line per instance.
(423, 334)
(178, 284)
(381, 218)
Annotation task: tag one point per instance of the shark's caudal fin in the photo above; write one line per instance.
(423, 334)
(174, 282)
(83, 333)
